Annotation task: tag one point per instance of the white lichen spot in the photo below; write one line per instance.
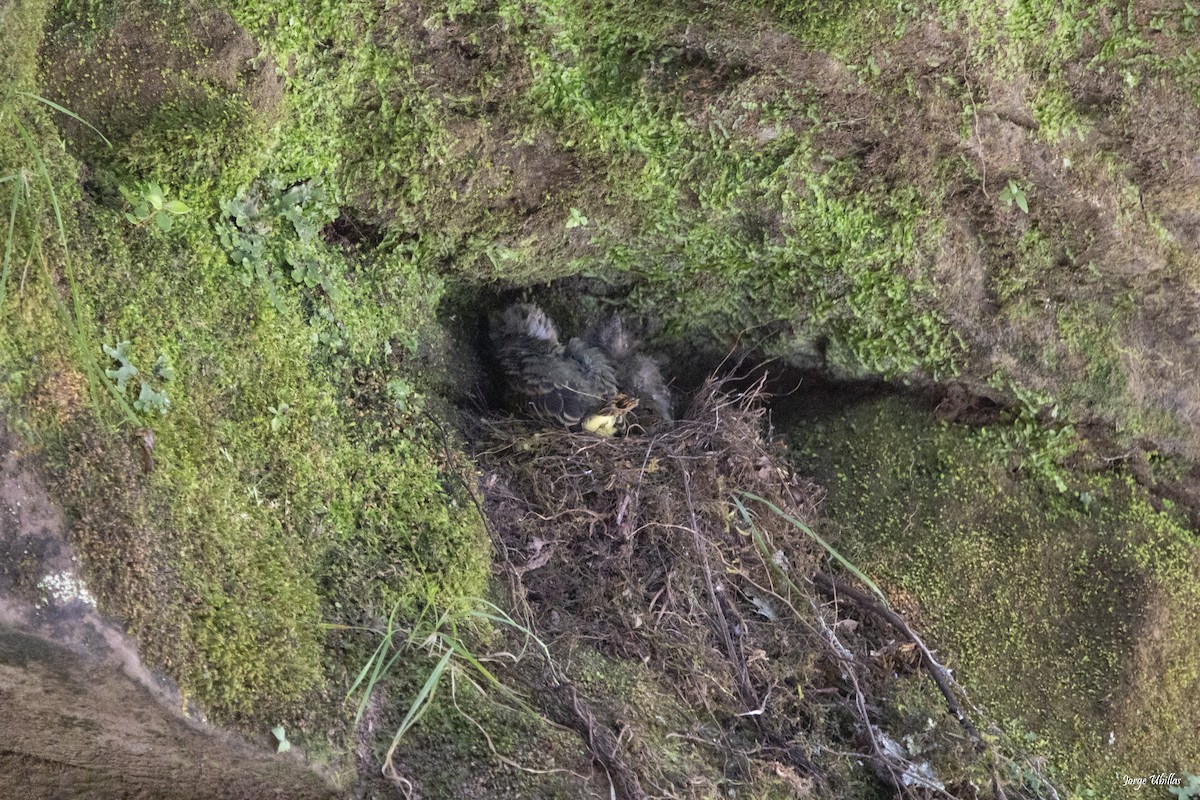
(63, 588)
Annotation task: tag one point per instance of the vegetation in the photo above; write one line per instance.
(227, 554)
(1009, 569)
(241, 243)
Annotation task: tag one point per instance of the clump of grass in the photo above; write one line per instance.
(443, 636)
(25, 201)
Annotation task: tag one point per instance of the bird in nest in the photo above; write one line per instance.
(636, 374)
(571, 385)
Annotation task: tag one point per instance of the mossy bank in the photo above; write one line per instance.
(247, 398)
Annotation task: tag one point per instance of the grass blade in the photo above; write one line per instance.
(375, 661)
(68, 112)
(378, 663)
(501, 617)
(8, 241)
(815, 537)
(76, 324)
(421, 702)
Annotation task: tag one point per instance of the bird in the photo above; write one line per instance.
(612, 416)
(636, 374)
(570, 385)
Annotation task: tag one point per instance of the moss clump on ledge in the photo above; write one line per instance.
(1055, 605)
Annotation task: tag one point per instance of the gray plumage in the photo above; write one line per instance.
(636, 374)
(559, 384)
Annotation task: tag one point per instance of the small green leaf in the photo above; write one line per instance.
(127, 370)
(279, 418)
(400, 392)
(177, 207)
(141, 211)
(281, 735)
(150, 400)
(122, 376)
(577, 219)
(1021, 202)
(118, 353)
(154, 194)
(133, 219)
(163, 220)
(163, 368)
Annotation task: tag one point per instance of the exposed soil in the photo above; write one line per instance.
(120, 79)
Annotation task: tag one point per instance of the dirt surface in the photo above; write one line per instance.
(120, 78)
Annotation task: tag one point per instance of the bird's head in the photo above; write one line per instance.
(610, 337)
(526, 319)
(611, 417)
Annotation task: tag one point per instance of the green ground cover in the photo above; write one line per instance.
(917, 191)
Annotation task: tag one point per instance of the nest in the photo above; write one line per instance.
(639, 545)
(626, 526)
(690, 550)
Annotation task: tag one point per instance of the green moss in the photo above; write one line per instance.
(206, 146)
(288, 487)
(1052, 604)
(1087, 331)
(1054, 110)
(87, 20)
(737, 233)
(265, 530)
(717, 191)
(1034, 35)
(731, 214)
(21, 25)
(665, 736)
(666, 152)
(449, 755)
(842, 28)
